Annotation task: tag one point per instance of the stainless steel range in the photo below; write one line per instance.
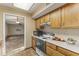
(40, 47)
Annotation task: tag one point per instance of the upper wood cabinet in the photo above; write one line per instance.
(46, 18)
(38, 22)
(70, 16)
(42, 20)
(65, 17)
(55, 18)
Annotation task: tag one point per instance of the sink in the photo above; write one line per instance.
(71, 41)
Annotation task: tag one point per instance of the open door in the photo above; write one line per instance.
(14, 34)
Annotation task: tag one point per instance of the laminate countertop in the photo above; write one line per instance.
(71, 47)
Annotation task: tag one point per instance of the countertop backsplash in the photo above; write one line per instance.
(66, 33)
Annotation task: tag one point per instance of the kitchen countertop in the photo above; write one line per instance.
(71, 47)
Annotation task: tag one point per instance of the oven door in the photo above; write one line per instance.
(40, 44)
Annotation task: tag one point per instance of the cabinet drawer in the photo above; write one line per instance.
(51, 45)
(53, 52)
(66, 52)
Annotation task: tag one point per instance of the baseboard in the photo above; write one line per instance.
(27, 48)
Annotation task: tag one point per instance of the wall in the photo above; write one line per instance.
(30, 26)
(12, 29)
(66, 33)
(29, 22)
(6, 27)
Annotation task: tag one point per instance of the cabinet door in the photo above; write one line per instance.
(42, 20)
(51, 45)
(66, 52)
(46, 18)
(70, 16)
(55, 19)
(33, 43)
(52, 52)
(38, 22)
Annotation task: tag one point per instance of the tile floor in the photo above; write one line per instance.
(14, 42)
(26, 52)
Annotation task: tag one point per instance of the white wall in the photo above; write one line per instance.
(29, 22)
(73, 33)
(12, 29)
(6, 27)
(30, 27)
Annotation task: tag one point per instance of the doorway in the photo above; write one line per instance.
(13, 33)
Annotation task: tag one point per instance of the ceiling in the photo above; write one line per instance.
(32, 9)
(25, 6)
(6, 4)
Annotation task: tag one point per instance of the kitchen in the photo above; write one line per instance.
(61, 24)
(50, 29)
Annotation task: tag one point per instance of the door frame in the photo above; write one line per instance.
(4, 43)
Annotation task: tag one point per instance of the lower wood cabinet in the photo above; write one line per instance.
(66, 52)
(51, 45)
(52, 52)
(33, 43)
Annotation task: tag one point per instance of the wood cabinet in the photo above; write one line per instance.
(46, 18)
(51, 50)
(38, 22)
(55, 18)
(54, 50)
(42, 20)
(70, 16)
(51, 45)
(65, 17)
(33, 43)
(66, 52)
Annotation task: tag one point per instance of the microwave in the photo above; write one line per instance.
(38, 33)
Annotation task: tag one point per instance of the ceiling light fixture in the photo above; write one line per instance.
(25, 6)
(17, 22)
